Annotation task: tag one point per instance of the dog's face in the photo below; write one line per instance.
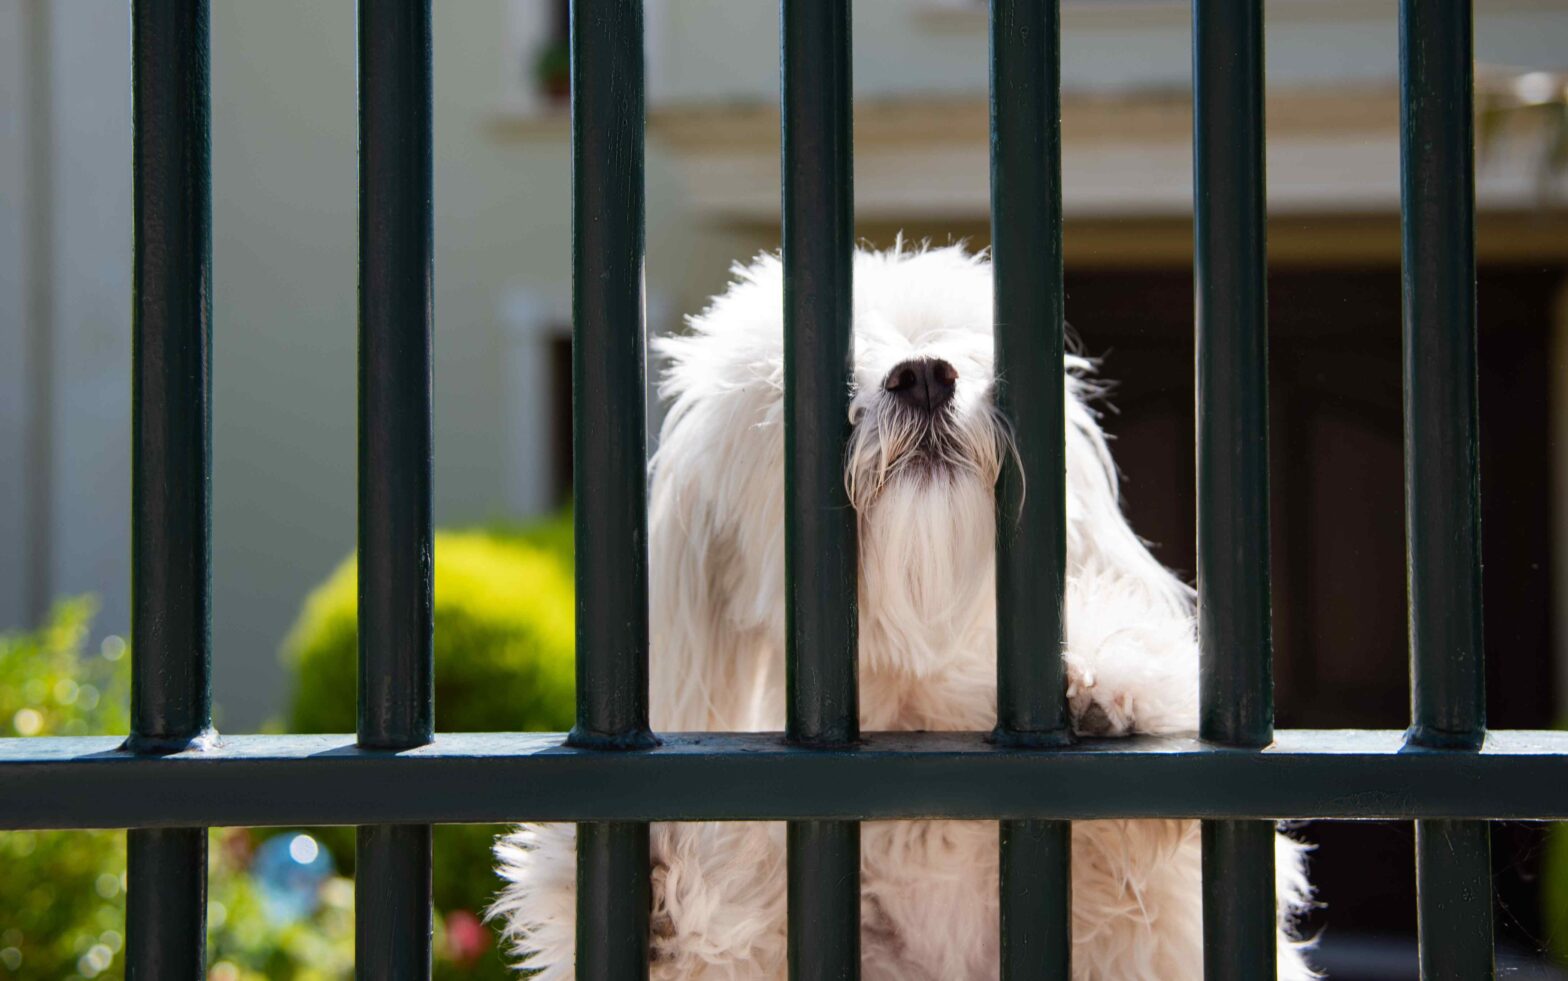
(924, 454)
(922, 412)
(925, 450)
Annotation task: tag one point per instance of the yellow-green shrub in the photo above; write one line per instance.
(504, 641)
(504, 625)
(62, 893)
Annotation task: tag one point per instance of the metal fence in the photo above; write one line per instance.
(173, 776)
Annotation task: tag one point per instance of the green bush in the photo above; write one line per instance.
(1554, 892)
(62, 893)
(62, 898)
(504, 641)
(504, 650)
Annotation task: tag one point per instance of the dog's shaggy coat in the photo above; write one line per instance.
(922, 485)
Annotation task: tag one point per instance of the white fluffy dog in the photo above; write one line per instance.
(924, 457)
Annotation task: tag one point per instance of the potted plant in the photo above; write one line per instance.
(553, 71)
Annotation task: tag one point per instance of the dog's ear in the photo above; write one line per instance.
(716, 544)
(1099, 539)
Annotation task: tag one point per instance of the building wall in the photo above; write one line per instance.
(939, 46)
(16, 394)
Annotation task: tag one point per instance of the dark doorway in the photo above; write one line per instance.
(1338, 526)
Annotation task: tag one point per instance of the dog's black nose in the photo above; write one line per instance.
(922, 383)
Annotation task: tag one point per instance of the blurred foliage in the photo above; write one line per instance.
(504, 636)
(504, 639)
(504, 661)
(1554, 892)
(62, 893)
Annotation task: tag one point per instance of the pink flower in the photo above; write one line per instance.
(466, 936)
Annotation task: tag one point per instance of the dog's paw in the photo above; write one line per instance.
(1096, 709)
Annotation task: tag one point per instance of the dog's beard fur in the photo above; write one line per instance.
(921, 485)
(923, 490)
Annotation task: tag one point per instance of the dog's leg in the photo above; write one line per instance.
(1137, 906)
(538, 905)
(718, 901)
(1131, 665)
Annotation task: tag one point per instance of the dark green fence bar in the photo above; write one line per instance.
(171, 412)
(1442, 467)
(610, 465)
(83, 782)
(171, 425)
(166, 904)
(1031, 543)
(392, 879)
(821, 538)
(396, 663)
(1442, 476)
(1036, 899)
(1454, 900)
(824, 900)
(1234, 633)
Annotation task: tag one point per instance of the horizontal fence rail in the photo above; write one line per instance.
(89, 782)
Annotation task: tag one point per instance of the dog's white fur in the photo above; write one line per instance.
(924, 496)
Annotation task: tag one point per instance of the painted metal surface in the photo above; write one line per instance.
(166, 904)
(609, 457)
(822, 540)
(493, 777)
(820, 532)
(171, 467)
(1442, 465)
(1442, 433)
(612, 924)
(392, 920)
(396, 614)
(1031, 542)
(1026, 225)
(396, 667)
(1234, 616)
(1454, 900)
(609, 445)
(1036, 899)
(824, 899)
(1229, 275)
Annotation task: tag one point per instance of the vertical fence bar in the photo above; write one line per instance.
(1442, 471)
(610, 466)
(1031, 543)
(1234, 632)
(171, 700)
(821, 553)
(396, 662)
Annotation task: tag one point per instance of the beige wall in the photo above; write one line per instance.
(284, 219)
